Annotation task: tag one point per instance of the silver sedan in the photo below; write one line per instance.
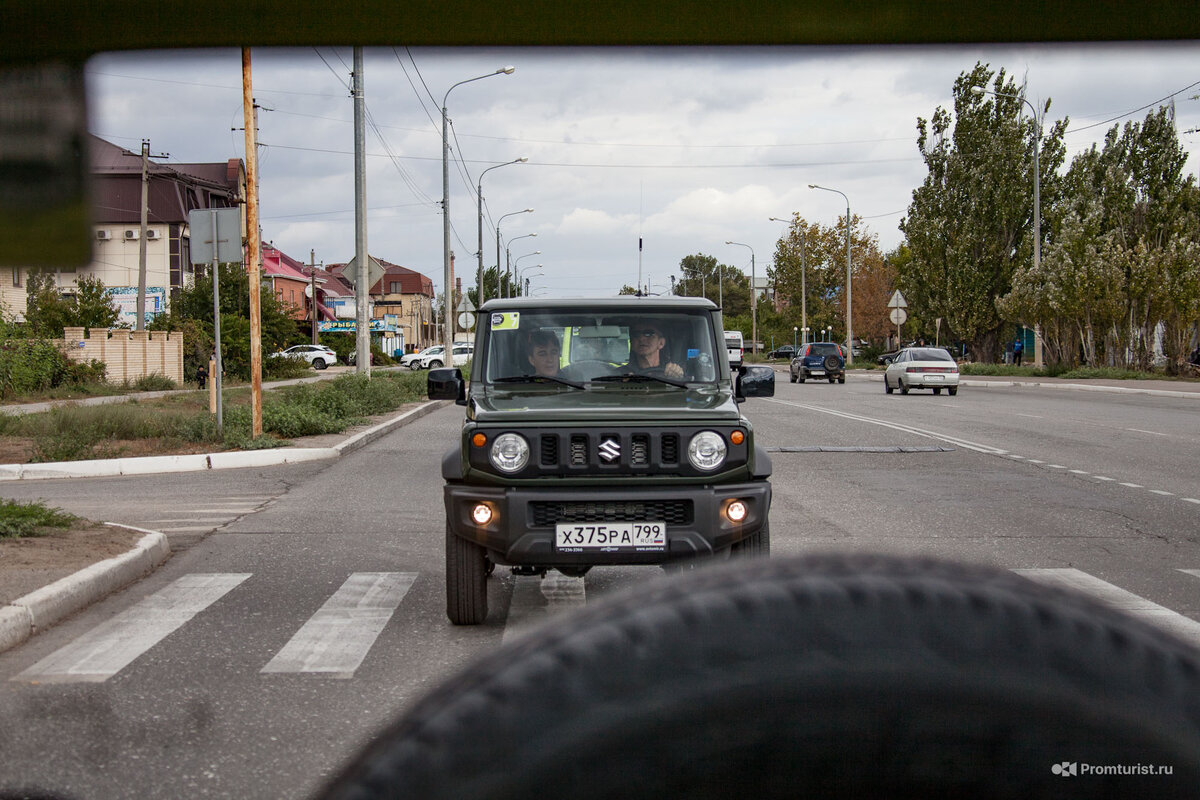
(922, 368)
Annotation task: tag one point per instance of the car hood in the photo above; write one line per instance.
(628, 404)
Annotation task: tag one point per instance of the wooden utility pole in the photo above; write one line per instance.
(253, 245)
(312, 288)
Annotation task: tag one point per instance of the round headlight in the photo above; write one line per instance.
(706, 451)
(510, 453)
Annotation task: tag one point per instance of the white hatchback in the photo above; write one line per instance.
(922, 368)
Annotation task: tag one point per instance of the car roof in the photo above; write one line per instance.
(607, 304)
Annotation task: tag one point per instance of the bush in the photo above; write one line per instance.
(154, 382)
(29, 366)
(27, 519)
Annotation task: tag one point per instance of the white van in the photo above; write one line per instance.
(733, 344)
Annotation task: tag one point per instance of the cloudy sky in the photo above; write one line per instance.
(684, 148)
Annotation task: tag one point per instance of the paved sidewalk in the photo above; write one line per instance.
(1159, 388)
(38, 610)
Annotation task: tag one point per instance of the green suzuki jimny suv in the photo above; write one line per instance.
(599, 432)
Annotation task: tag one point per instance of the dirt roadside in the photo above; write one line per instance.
(29, 563)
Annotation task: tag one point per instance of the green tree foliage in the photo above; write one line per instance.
(970, 224)
(192, 313)
(703, 276)
(507, 287)
(48, 311)
(1126, 257)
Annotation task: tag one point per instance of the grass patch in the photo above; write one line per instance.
(74, 433)
(1060, 371)
(19, 519)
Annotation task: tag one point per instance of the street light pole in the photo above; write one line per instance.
(499, 283)
(849, 323)
(1037, 205)
(448, 293)
(753, 299)
(508, 258)
(803, 276)
(479, 293)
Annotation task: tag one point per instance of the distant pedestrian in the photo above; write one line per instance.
(1018, 349)
(201, 376)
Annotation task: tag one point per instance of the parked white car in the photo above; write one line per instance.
(462, 353)
(922, 368)
(413, 360)
(318, 355)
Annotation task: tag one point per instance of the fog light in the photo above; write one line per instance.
(482, 514)
(736, 511)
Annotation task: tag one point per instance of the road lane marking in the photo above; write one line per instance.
(1078, 471)
(1103, 478)
(1190, 500)
(1077, 580)
(1161, 492)
(111, 646)
(1133, 485)
(1031, 416)
(1055, 466)
(1152, 433)
(335, 640)
(535, 600)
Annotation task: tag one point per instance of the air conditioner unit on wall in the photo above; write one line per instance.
(151, 233)
(131, 233)
(102, 235)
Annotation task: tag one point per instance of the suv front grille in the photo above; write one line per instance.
(673, 512)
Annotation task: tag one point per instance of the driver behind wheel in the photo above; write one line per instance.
(646, 343)
(544, 353)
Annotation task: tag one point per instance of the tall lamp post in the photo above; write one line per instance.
(508, 257)
(1037, 204)
(803, 275)
(447, 308)
(479, 194)
(849, 324)
(499, 284)
(753, 300)
(523, 281)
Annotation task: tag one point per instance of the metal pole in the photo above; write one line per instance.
(255, 246)
(216, 371)
(803, 285)
(479, 252)
(141, 296)
(499, 285)
(849, 293)
(448, 290)
(362, 257)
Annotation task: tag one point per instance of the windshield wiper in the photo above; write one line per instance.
(638, 377)
(538, 379)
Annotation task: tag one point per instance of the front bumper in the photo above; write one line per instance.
(522, 528)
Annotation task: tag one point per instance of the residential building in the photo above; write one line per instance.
(403, 293)
(174, 190)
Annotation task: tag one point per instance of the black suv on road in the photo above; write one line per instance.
(599, 432)
(819, 360)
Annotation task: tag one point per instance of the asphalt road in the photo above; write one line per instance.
(211, 677)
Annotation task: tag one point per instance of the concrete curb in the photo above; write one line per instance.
(38, 610)
(235, 459)
(1078, 387)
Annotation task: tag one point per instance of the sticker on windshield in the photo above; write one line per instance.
(693, 352)
(506, 320)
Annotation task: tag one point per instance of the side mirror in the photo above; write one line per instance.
(447, 384)
(754, 381)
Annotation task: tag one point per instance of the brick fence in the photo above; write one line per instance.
(128, 354)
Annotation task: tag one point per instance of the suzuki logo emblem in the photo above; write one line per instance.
(610, 450)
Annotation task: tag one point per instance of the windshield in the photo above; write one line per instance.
(583, 346)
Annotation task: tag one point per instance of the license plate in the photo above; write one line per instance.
(817, 371)
(610, 537)
(937, 378)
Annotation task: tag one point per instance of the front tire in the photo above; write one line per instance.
(435, 364)
(466, 580)
(890, 677)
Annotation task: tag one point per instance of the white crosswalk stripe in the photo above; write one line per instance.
(113, 645)
(336, 639)
(1165, 618)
